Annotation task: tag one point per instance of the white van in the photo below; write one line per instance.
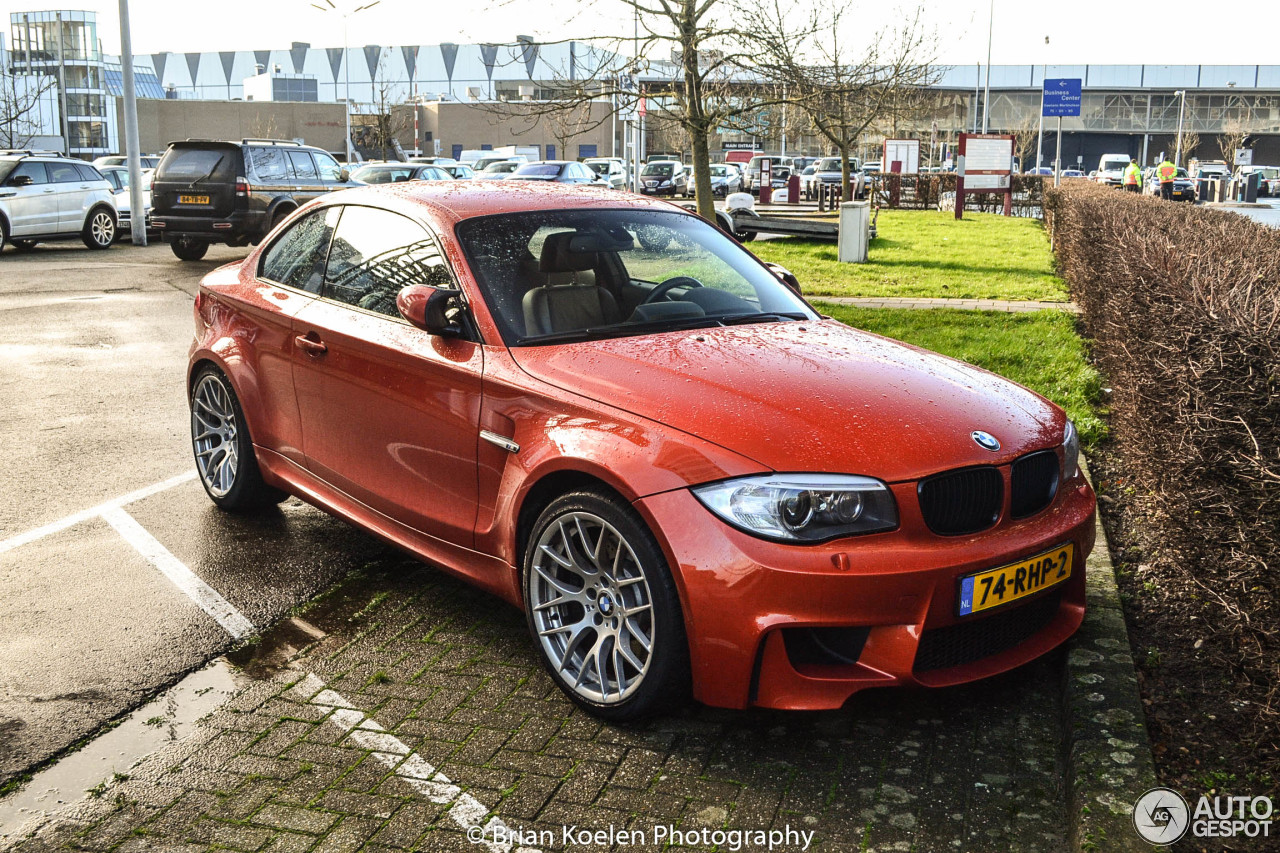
(1111, 169)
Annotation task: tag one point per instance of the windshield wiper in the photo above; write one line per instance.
(209, 173)
(762, 317)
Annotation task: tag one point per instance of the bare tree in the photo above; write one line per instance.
(845, 88)
(379, 124)
(20, 98)
(1190, 142)
(710, 82)
(1025, 133)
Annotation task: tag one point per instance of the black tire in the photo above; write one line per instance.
(216, 422)
(663, 683)
(4, 233)
(99, 230)
(189, 248)
(24, 245)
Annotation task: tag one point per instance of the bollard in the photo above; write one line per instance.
(793, 189)
(855, 230)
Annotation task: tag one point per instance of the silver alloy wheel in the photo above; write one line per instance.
(213, 433)
(591, 607)
(103, 228)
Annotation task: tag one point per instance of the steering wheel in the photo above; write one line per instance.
(670, 285)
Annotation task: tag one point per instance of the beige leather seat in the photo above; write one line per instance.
(570, 299)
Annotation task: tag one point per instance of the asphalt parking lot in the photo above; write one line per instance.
(401, 709)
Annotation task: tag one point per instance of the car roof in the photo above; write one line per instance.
(454, 201)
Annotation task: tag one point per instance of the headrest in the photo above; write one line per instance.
(556, 256)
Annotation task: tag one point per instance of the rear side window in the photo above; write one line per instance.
(375, 253)
(297, 259)
(88, 173)
(270, 163)
(191, 164)
(63, 173)
(303, 167)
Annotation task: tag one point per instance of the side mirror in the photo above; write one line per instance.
(785, 276)
(21, 181)
(429, 308)
(344, 175)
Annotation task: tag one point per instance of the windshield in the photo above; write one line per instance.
(498, 168)
(658, 170)
(719, 171)
(544, 170)
(829, 164)
(1114, 165)
(600, 167)
(590, 274)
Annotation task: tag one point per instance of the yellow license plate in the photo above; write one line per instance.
(995, 587)
(193, 199)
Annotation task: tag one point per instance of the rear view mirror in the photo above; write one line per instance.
(344, 175)
(21, 181)
(785, 276)
(612, 240)
(431, 309)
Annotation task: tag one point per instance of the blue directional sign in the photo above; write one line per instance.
(1061, 97)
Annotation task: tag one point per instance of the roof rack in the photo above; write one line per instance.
(271, 141)
(30, 152)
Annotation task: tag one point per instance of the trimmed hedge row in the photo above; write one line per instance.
(1183, 306)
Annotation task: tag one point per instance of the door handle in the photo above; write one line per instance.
(310, 346)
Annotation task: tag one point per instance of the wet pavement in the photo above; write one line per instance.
(92, 357)
(400, 709)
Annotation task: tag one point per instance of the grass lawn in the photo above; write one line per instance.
(929, 254)
(1040, 350)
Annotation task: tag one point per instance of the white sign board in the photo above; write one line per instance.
(986, 182)
(904, 151)
(988, 155)
(1244, 156)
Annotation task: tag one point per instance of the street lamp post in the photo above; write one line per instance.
(1044, 73)
(1177, 157)
(346, 59)
(986, 93)
(137, 209)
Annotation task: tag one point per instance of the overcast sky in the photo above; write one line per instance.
(1083, 31)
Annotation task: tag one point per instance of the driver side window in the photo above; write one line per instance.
(375, 254)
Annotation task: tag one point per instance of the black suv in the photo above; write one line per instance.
(207, 191)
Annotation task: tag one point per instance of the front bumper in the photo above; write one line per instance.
(740, 593)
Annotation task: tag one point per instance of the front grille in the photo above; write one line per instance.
(1033, 483)
(960, 502)
(955, 645)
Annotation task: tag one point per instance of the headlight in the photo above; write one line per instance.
(1070, 452)
(802, 507)
(665, 184)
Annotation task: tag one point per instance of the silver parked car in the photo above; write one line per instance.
(45, 197)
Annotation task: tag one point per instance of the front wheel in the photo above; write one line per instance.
(603, 609)
(99, 229)
(189, 248)
(223, 449)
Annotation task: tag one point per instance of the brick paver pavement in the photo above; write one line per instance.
(423, 676)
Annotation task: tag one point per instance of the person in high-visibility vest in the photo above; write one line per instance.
(1166, 172)
(1133, 178)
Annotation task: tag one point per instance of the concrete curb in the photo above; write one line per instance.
(925, 303)
(1109, 763)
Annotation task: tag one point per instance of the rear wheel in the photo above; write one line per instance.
(189, 248)
(223, 449)
(99, 229)
(603, 609)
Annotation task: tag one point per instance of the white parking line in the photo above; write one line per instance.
(205, 596)
(466, 811)
(93, 512)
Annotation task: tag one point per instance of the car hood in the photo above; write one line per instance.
(818, 397)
